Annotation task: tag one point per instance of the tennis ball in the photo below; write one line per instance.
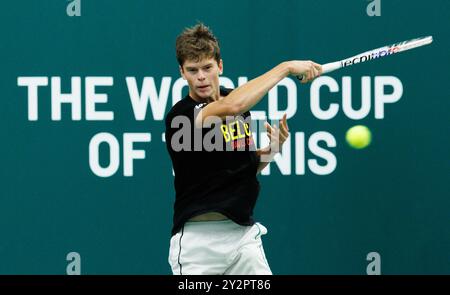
(358, 136)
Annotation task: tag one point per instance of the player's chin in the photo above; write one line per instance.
(204, 94)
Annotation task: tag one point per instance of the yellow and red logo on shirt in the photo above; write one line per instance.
(237, 133)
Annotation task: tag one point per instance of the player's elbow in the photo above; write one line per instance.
(220, 109)
(236, 109)
(232, 108)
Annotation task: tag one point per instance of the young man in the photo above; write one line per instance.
(215, 173)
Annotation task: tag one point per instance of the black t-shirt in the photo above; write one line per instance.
(221, 179)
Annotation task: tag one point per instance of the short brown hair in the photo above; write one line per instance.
(197, 43)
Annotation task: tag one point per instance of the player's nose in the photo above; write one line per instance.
(201, 75)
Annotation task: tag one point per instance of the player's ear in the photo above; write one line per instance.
(220, 67)
(182, 72)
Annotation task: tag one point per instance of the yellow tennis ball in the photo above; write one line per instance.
(358, 136)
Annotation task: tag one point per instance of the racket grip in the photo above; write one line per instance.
(326, 68)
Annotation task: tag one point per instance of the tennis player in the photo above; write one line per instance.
(216, 173)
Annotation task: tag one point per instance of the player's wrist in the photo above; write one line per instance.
(286, 67)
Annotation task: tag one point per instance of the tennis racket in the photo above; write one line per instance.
(375, 54)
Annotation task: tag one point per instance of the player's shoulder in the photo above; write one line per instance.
(187, 105)
(184, 107)
(181, 107)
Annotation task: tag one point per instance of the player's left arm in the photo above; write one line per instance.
(277, 136)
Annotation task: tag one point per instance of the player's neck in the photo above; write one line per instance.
(209, 99)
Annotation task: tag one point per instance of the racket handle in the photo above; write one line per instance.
(326, 68)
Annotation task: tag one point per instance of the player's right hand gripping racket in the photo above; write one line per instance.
(374, 54)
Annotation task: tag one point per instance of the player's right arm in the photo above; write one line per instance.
(246, 96)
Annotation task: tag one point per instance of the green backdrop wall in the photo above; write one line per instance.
(391, 198)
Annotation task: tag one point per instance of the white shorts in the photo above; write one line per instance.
(218, 247)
